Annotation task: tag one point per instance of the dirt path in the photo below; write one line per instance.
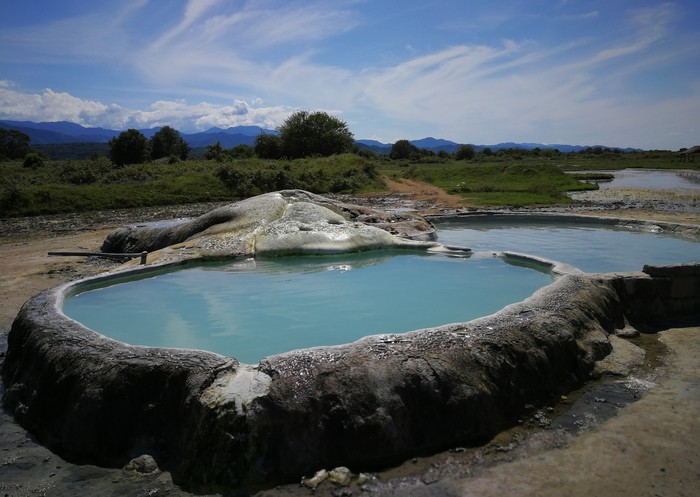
(421, 192)
(648, 449)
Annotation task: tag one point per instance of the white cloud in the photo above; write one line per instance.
(54, 106)
(50, 106)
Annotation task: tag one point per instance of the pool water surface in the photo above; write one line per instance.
(590, 246)
(254, 308)
(258, 307)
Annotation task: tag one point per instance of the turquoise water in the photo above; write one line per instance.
(592, 247)
(255, 308)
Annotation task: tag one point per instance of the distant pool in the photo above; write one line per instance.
(254, 308)
(650, 179)
(590, 246)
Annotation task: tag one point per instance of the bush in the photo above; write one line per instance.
(33, 161)
(76, 174)
(11, 198)
(465, 152)
(238, 182)
(268, 146)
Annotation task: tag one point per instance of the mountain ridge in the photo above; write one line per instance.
(63, 132)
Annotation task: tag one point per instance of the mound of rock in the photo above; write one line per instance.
(279, 223)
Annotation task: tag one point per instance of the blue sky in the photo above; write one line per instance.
(617, 73)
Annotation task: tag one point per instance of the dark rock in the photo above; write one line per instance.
(144, 464)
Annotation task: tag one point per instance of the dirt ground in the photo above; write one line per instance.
(649, 448)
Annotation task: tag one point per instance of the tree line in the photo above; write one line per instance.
(132, 147)
(303, 134)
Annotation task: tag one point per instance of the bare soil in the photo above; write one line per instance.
(648, 448)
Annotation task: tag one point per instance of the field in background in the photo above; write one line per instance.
(511, 178)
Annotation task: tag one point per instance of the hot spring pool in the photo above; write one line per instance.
(254, 308)
(588, 245)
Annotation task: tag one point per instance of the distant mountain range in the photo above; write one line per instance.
(49, 133)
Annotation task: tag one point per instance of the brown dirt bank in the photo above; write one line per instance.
(647, 449)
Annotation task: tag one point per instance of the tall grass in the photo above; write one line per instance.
(68, 186)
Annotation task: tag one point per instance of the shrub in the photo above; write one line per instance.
(465, 152)
(33, 161)
(268, 146)
(238, 182)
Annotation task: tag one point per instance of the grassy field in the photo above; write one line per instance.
(518, 178)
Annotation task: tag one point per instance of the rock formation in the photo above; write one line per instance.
(279, 223)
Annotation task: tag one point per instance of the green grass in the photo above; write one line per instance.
(84, 185)
(526, 179)
(522, 179)
(506, 184)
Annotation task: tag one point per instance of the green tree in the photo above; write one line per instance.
(403, 149)
(242, 151)
(268, 146)
(130, 147)
(168, 142)
(215, 152)
(465, 152)
(306, 133)
(13, 144)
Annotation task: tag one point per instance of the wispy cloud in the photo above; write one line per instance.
(648, 27)
(194, 10)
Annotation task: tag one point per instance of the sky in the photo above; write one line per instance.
(620, 73)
